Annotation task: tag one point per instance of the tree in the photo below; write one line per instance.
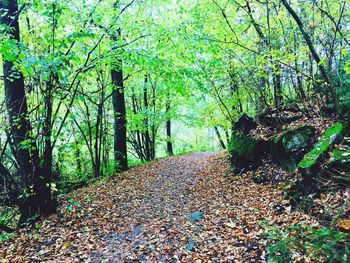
(34, 195)
(118, 99)
(169, 143)
(314, 54)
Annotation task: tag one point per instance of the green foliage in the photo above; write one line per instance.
(199, 61)
(323, 144)
(321, 244)
(6, 236)
(342, 156)
(73, 205)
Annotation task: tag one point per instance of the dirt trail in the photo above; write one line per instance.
(178, 209)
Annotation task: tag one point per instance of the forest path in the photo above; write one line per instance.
(178, 209)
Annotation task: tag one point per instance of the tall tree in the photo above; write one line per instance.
(34, 193)
(118, 101)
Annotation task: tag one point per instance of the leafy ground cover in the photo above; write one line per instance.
(179, 209)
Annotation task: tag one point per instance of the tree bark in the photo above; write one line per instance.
(30, 175)
(222, 144)
(147, 137)
(118, 101)
(169, 143)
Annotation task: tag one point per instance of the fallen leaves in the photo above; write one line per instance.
(344, 225)
(143, 215)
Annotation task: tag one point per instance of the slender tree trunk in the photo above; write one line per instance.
(153, 124)
(316, 57)
(98, 127)
(77, 154)
(300, 90)
(147, 140)
(48, 205)
(277, 87)
(222, 144)
(139, 148)
(169, 143)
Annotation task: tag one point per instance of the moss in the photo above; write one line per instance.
(322, 146)
(243, 146)
(246, 152)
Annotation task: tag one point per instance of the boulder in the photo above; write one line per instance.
(277, 117)
(245, 124)
(288, 149)
(246, 152)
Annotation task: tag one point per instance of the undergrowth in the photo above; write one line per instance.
(299, 243)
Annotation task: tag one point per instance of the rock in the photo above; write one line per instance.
(190, 245)
(246, 152)
(245, 124)
(286, 115)
(288, 149)
(196, 216)
(326, 141)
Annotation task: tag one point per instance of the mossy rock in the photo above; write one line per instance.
(297, 139)
(325, 142)
(246, 152)
(289, 148)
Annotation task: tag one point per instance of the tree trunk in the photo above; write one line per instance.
(147, 140)
(22, 143)
(222, 144)
(139, 148)
(169, 143)
(118, 101)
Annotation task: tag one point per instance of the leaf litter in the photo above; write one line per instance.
(180, 209)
